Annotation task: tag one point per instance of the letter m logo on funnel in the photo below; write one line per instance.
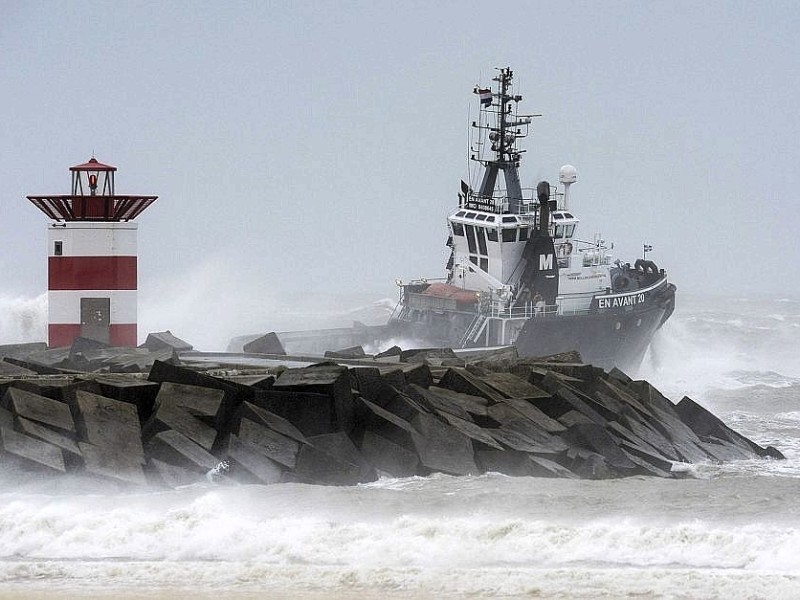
(545, 262)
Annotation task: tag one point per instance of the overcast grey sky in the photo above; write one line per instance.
(319, 145)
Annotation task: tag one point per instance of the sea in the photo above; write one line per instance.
(722, 531)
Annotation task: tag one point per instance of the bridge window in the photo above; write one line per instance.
(509, 235)
(509, 219)
(485, 264)
(470, 215)
(481, 240)
(491, 234)
(482, 217)
(523, 234)
(458, 229)
(470, 230)
(569, 230)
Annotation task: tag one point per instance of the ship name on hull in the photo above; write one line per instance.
(621, 301)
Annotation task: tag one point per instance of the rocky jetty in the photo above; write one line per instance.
(143, 417)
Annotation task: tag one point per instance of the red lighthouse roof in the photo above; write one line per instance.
(93, 197)
(93, 165)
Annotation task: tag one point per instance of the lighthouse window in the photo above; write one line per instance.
(523, 234)
(491, 234)
(58, 248)
(509, 235)
(481, 240)
(473, 248)
(458, 229)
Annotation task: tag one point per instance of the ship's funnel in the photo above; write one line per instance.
(543, 193)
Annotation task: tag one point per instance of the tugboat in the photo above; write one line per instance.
(518, 272)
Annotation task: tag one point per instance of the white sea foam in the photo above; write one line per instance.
(488, 536)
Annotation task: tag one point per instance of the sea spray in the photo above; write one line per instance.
(23, 320)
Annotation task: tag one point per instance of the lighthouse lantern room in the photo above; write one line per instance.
(92, 258)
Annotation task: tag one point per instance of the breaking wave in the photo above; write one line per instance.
(730, 344)
(448, 537)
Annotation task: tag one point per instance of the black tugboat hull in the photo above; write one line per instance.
(605, 340)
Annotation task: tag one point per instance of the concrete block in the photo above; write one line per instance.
(512, 420)
(461, 380)
(511, 386)
(594, 437)
(312, 414)
(332, 459)
(507, 462)
(65, 441)
(353, 352)
(174, 448)
(21, 350)
(38, 408)
(30, 449)
(103, 462)
(419, 374)
(544, 467)
(526, 408)
(329, 379)
(182, 407)
(268, 343)
(269, 443)
(434, 401)
(111, 427)
(471, 430)
(394, 351)
(254, 463)
(706, 426)
(367, 381)
(442, 447)
(387, 457)
(422, 354)
(275, 422)
(235, 393)
(10, 370)
(165, 340)
(139, 392)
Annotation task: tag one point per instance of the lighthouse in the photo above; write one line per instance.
(92, 259)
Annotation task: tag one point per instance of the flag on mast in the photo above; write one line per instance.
(485, 95)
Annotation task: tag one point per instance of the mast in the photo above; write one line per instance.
(503, 135)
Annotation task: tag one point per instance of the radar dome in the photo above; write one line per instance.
(568, 174)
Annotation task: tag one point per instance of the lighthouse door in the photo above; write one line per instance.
(95, 318)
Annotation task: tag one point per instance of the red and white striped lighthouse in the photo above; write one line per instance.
(92, 259)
